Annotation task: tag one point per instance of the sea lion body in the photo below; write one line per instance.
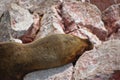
(17, 59)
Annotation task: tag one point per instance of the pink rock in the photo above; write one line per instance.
(115, 35)
(51, 23)
(103, 4)
(99, 63)
(111, 18)
(85, 18)
(39, 6)
(31, 33)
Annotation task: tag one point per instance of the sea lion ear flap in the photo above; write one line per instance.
(89, 44)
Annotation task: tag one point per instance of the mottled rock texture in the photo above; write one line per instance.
(5, 5)
(31, 33)
(99, 62)
(84, 20)
(111, 18)
(70, 17)
(103, 4)
(21, 19)
(51, 23)
(14, 23)
(39, 6)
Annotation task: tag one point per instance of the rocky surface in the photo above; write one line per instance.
(14, 23)
(39, 6)
(103, 4)
(115, 35)
(51, 23)
(33, 19)
(5, 25)
(60, 73)
(99, 63)
(111, 18)
(21, 19)
(5, 5)
(31, 33)
(84, 20)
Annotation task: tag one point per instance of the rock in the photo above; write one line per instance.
(31, 33)
(51, 23)
(18, 21)
(115, 35)
(111, 18)
(5, 29)
(84, 20)
(99, 63)
(21, 19)
(4, 5)
(39, 6)
(103, 4)
(60, 73)
(115, 75)
(5, 25)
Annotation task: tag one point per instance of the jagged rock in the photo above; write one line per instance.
(5, 27)
(14, 23)
(31, 33)
(4, 5)
(103, 4)
(84, 20)
(60, 73)
(99, 63)
(21, 19)
(51, 23)
(111, 18)
(115, 35)
(39, 6)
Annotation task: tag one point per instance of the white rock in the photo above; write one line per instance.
(51, 23)
(21, 19)
(60, 73)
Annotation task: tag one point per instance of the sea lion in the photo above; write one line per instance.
(17, 59)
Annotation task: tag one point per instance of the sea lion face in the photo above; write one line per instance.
(74, 47)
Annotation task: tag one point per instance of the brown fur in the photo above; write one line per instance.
(16, 59)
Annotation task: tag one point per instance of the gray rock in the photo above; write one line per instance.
(21, 19)
(60, 73)
(99, 62)
(5, 25)
(5, 5)
(6, 30)
(14, 23)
